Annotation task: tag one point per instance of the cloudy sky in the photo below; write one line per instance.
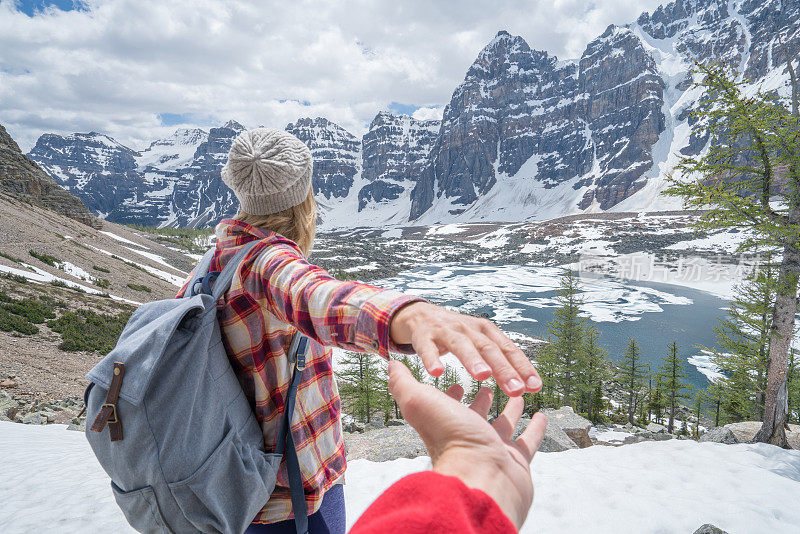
(138, 69)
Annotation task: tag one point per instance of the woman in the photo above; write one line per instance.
(276, 291)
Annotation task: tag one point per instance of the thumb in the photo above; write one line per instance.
(409, 394)
(400, 381)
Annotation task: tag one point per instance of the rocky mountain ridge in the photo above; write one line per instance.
(23, 179)
(525, 136)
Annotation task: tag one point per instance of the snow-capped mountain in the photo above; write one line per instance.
(526, 136)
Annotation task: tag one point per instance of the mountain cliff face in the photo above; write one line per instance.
(22, 178)
(525, 136)
(336, 153)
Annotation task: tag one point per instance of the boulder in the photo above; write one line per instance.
(34, 419)
(573, 425)
(352, 427)
(746, 431)
(395, 422)
(556, 440)
(719, 434)
(647, 436)
(708, 528)
(655, 428)
(8, 383)
(385, 444)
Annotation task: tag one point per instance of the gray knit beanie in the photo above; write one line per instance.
(269, 170)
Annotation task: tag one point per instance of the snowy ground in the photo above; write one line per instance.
(50, 479)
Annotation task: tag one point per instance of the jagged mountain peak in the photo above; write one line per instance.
(318, 124)
(7, 141)
(234, 125)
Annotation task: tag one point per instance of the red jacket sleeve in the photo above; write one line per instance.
(429, 502)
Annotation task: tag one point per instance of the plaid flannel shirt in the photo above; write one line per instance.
(274, 293)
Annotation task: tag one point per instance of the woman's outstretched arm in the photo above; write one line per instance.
(365, 318)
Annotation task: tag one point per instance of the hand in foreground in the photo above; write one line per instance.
(462, 443)
(482, 347)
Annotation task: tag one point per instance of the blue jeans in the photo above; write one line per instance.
(329, 519)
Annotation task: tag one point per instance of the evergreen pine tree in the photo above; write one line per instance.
(750, 178)
(631, 373)
(743, 339)
(674, 386)
(447, 378)
(567, 331)
(360, 384)
(592, 374)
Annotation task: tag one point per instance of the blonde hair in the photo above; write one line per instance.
(298, 223)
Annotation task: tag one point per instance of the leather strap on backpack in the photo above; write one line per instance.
(108, 414)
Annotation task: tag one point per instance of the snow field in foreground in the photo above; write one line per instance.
(51, 480)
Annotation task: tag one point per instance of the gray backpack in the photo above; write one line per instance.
(171, 424)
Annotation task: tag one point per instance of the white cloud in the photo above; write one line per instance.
(117, 66)
(431, 113)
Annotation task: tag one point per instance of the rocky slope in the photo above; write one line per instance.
(526, 136)
(21, 178)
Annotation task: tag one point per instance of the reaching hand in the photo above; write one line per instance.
(478, 343)
(462, 443)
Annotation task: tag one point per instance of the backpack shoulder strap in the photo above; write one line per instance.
(200, 271)
(223, 281)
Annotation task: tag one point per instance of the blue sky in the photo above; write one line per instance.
(31, 7)
(136, 69)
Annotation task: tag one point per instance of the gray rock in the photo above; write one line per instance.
(77, 428)
(655, 428)
(708, 528)
(375, 424)
(34, 419)
(556, 440)
(353, 427)
(385, 444)
(573, 425)
(49, 416)
(719, 434)
(745, 431)
(647, 436)
(395, 422)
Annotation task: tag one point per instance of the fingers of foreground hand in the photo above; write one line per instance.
(455, 392)
(428, 352)
(482, 402)
(528, 442)
(515, 356)
(402, 385)
(507, 422)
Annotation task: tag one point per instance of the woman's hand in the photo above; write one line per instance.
(481, 346)
(463, 444)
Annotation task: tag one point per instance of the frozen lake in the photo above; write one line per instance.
(522, 299)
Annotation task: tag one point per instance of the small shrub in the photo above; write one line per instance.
(102, 282)
(32, 310)
(86, 330)
(10, 322)
(61, 283)
(14, 278)
(10, 257)
(140, 287)
(101, 269)
(52, 261)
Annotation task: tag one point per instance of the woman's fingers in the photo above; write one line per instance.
(528, 442)
(514, 356)
(428, 352)
(507, 422)
(504, 374)
(482, 402)
(462, 346)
